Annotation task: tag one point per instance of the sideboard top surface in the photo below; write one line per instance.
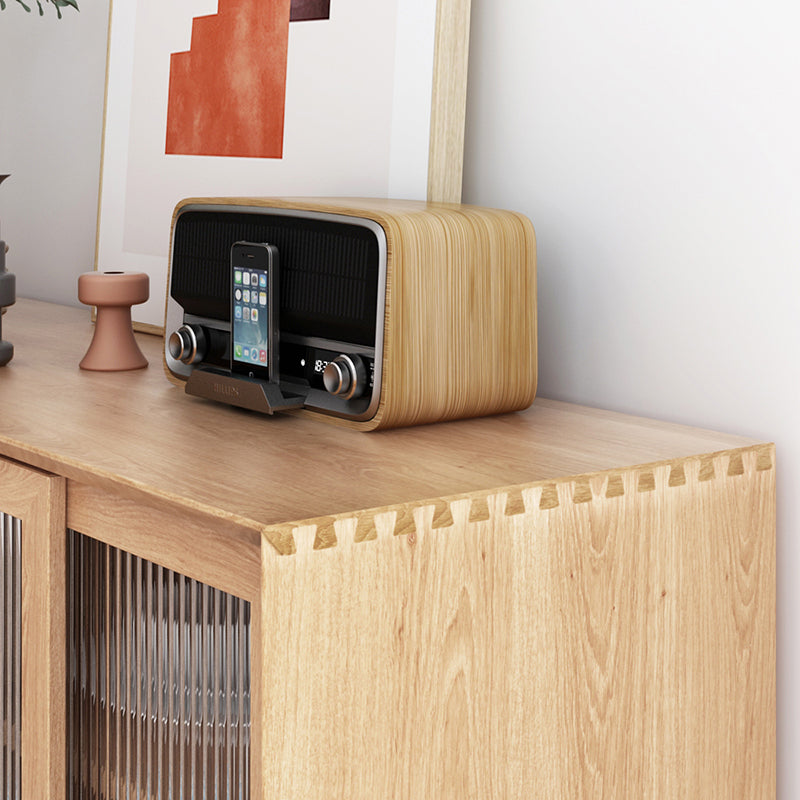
(137, 434)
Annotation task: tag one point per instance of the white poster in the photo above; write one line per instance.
(256, 98)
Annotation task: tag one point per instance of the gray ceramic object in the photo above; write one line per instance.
(8, 286)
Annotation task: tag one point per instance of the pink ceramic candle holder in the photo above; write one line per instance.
(113, 346)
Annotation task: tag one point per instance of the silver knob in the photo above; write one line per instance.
(188, 344)
(345, 377)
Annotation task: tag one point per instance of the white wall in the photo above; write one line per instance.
(52, 79)
(656, 149)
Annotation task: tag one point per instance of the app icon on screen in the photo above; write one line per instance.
(262, 298)
(246, 278)
(262, 281)
(238, 312)
(254, 315)
(237, 276)
(262, 356)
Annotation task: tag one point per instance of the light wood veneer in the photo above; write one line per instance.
(38, 501)
(562, 602)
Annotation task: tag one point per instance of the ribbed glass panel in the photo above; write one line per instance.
(10, 658)
(159, 700)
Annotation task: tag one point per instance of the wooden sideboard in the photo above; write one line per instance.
(558, 603)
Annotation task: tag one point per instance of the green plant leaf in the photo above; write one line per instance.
(59, 4)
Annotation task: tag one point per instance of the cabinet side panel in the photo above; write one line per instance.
(607, 636)
(383, 665)
(660, 601)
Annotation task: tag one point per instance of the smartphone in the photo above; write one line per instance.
(254, 310)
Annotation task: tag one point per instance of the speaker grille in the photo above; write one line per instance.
(328, 270)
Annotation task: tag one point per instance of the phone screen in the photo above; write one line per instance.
(253, 323)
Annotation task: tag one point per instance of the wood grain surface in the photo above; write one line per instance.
(608, 636)
(38, 501)
(557, 603)
(140, 437)
(223, 555)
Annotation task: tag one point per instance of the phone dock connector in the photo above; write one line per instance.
(242, 391)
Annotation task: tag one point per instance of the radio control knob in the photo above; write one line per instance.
(345, 376)
(188, 344)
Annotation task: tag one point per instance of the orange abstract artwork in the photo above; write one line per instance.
(227, 93)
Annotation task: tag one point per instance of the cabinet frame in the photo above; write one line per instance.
(565, 602)
(38, 500)
(610, 589)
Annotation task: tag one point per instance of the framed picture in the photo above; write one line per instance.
(262, 98)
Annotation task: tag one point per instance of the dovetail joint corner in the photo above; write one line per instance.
(281, 537)
(515, 504)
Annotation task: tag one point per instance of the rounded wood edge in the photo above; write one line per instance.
(486, 507)
(460, 231)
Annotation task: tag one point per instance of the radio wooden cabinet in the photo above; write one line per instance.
(205, 602)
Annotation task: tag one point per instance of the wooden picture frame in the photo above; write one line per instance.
(374, 98)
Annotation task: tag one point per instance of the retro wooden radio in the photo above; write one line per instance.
(369, 313)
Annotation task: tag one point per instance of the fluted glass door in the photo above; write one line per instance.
(10, 653)
(159, 681)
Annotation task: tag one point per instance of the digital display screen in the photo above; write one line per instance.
(250, 317)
